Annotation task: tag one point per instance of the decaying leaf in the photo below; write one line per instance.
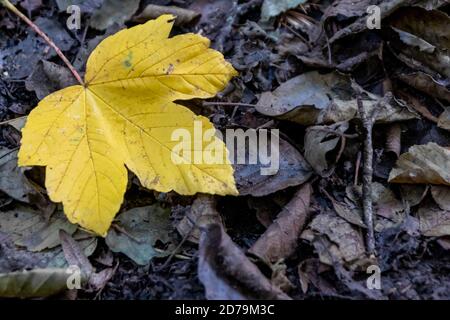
(390, 211)
(413, 194)
(29, 228)
(201, 214)
(138, 231)
(444, 119)
(348, 210)
(34, 241)
(76, 256)
(314, 98)
(227, 273)
(425, 38)
(33, 284)
(335, 240)
(319, 141)
(13, 181)
(113, 11)
(434, 222)
(272, 8)
(125, 115)
(86, 6)
(74, 253)
(427, 84)
(441, 194)
(428, 163)
(293, 170)
(152, 11)
(281, 238)
(49, 77)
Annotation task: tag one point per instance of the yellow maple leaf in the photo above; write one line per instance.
(125, 115)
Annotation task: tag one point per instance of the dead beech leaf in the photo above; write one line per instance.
(390, 211)
(393, 139)
(13, 181)
(76, 256)
(113, 11)
(201, 213)
(272, 8)
(335, 240)
(319, 141)
(31, 241)
(28, 228)
(413, 194)
(444, 119)
(152, 11)
(138, 231)
(227, 274)
(427, 84)
(348, 210)
(125, 115)
(428, 163)
(293, 171)
(441, 194)
(425, 38)
(33, 283)
(314, 98)
(281, 238)
(48, 77)
(434, 222)
(386, 9)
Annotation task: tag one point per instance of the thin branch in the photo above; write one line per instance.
(368, 120)
(16, 11)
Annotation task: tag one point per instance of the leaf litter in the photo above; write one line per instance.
(303, 67)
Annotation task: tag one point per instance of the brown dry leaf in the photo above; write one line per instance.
(314, 98)
(413, 194)
(293, 171)
(444, 119)
(201, 214)
(279, 277)
(335, 240)
(227, 273)
(427, 84)
(386, 9)
(75, 255)
(428, 163)
(393, 139)
(13, 181)
(348, 210)
(33, 283)
(441, 195)
(434, 222)
(281, 239)
(152, 11)
(390, 211)
(319, 141)
(424, 39)
(48, 77)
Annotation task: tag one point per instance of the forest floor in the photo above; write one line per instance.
(302, 233)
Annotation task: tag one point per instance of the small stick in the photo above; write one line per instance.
(368, 119)
(357, 164)
(16, 11)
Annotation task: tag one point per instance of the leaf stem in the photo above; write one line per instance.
(16, 11)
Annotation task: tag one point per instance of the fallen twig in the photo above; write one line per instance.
(368, 119)
(42, 34)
